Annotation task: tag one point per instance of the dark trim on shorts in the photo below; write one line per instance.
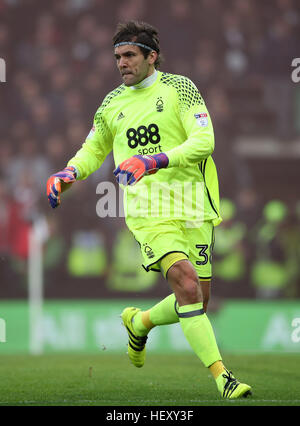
(147, 268)
(204, 278)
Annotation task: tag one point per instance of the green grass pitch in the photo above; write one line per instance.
(110, 380)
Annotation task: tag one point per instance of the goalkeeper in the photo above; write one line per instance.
(161, 135)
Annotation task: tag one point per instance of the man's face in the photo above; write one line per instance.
(132, 65)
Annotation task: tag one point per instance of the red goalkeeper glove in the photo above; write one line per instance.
(54, 184)
(130, 171)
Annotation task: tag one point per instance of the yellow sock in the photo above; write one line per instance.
(199, 333)
(142, 323)
(217, 368)
(146, 320)
(162, 313)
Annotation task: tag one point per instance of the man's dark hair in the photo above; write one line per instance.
(139, 32)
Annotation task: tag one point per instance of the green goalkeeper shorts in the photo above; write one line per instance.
(163, 238)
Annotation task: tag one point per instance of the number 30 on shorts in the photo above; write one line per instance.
(203, 254)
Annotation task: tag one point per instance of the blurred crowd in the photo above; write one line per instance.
(60, 65)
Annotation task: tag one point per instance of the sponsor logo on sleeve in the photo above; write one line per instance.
(202, 119)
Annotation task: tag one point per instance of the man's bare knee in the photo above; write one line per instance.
(185, 283)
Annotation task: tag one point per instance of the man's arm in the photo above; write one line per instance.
(197, 124)
(95, 149)
(87, 160)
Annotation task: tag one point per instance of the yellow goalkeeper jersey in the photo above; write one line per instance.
(168, 116)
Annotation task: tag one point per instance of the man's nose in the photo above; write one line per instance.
(123, 63)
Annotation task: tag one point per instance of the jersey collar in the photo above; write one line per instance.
(146, 82)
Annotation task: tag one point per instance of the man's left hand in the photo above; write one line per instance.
(130, 171)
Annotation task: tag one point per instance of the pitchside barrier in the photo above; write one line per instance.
(86, 326)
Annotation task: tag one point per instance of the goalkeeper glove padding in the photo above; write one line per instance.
(130, 171)
(67, 175)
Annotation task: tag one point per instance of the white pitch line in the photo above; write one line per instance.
(152, 401)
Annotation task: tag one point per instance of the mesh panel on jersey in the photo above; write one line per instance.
(99, 121)
(188, 93)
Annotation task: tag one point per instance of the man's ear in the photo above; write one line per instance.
(152, 57)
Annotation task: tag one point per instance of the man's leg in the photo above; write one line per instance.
(192, 297)
(139, 323)
(205, 290)
(197, 329)
(184, 281)
(164, 312)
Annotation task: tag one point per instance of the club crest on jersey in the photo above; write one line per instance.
(159, 105)
(202, 119)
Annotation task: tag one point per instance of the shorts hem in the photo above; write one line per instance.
(148, 267)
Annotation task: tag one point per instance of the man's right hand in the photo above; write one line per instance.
(54, 187)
